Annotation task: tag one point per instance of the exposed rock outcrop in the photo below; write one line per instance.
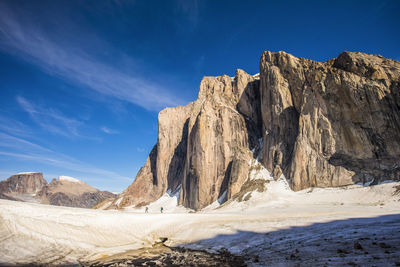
(8, 197)
(331, 124)
(164, 168)
(318, 124)
(22, 184)
(65, 191)
(72, 193)
(199, 143)
(218, 136)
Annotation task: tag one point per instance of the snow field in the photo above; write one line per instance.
(50, 234)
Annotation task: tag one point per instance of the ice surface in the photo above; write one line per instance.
(258, 171)
(168, 201)
(50, 234)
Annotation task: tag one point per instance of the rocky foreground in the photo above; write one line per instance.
(360, 243)
(319, 124)
(161, 255)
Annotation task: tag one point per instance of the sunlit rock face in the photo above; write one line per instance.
(330, 124)
(23, 183)
(198, 144)
(218, 134)
(318, 124)
(164, 168)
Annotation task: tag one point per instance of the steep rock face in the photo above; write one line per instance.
(23, 183)
(330, 124)
(164, 167)
(217, 136)
(199, 143)
(318, 124)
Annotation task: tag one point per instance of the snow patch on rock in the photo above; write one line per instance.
(258, 171)
(69, 179)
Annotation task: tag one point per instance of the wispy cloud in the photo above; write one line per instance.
(50, 119)
(11, 146)
(140, 149)
(108, 130)
(70, 165)
(187, 15)
(14, 127)
(28, 41)
(190, 8)
(19, 144)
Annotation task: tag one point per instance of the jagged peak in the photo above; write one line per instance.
(224, 84)
(368, 65)
(167, 111)
(281, 59)
(211, 85)
(270, 54)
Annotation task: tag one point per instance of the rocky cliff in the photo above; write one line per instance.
(22, 183)
(318, 124)
(65, 191)
(331, 124)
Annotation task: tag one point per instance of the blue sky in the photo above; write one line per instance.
(82, 82)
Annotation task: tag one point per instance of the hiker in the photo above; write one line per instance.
(161, 209)
(146, 210)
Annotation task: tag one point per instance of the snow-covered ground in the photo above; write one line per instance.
(275, 227)
(168, 201)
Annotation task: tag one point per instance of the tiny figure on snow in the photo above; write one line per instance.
(146, 210)
(161, 209)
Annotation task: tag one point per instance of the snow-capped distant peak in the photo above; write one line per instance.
(69, 179)
(26, 172)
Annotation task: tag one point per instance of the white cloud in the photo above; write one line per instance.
(140, 149)
(20, 144)
(29, 42)
(108, 130)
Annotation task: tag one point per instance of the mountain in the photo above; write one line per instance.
(71, 192)
(64, 191)
(22, 186)
(331, 124)
(319, 124)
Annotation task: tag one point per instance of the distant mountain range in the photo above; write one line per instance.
(64, 191)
